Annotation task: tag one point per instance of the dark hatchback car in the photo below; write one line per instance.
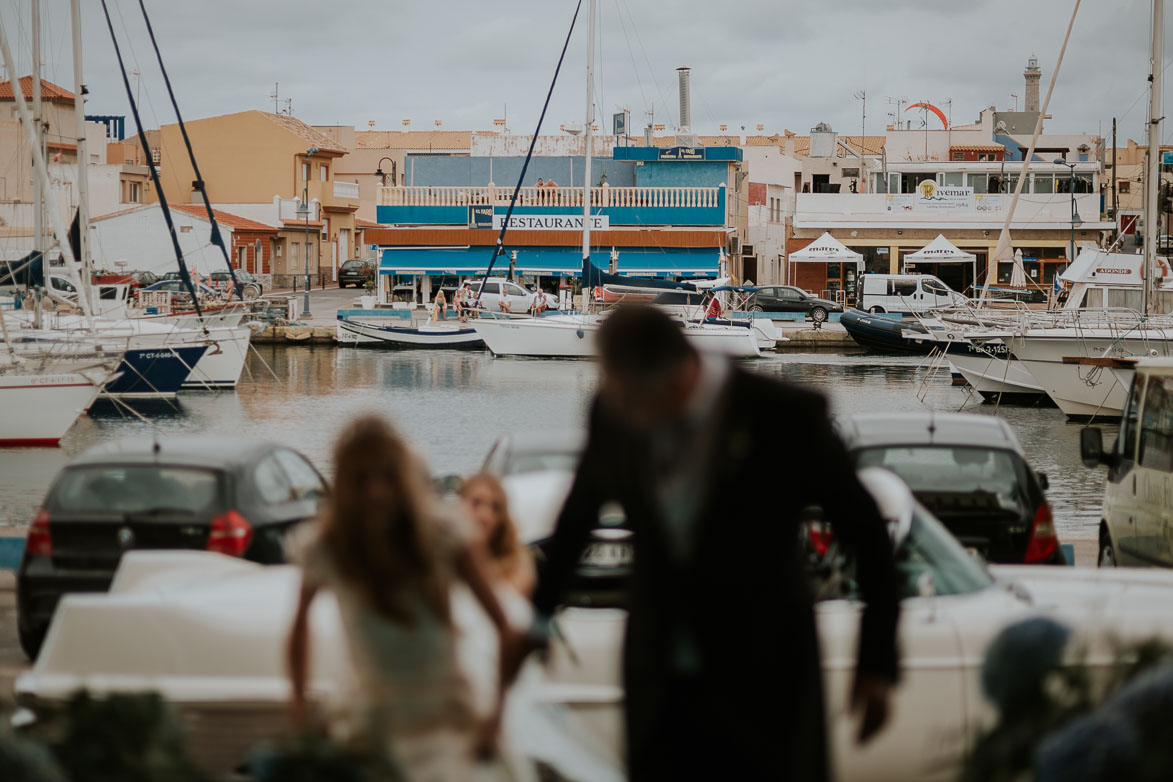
(786, 298)
(355, 272)
(229, 495)
(968, 470)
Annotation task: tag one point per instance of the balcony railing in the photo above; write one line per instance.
(605, 196)
(346, 190)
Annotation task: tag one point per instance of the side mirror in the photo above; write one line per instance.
(1091, 446)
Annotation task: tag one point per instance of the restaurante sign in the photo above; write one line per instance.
(551, 222)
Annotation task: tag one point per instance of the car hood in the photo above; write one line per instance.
(827, 303)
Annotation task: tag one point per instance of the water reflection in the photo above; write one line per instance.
(453, 404)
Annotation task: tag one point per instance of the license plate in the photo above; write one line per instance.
(607, 555)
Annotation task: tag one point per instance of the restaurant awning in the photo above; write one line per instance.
(465, 261)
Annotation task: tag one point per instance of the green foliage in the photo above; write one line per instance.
(123, 738)
(313, 757)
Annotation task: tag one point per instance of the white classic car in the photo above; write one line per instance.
(208, 631)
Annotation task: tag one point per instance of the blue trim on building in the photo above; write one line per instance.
(549, 261)
(666, 155)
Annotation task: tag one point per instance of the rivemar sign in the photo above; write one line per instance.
(551, 222)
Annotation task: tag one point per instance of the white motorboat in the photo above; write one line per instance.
(573, 336)
(351, 331)
(991, 372)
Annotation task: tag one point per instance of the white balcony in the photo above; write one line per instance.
(878, 210)
(605, 196)
(346, 190)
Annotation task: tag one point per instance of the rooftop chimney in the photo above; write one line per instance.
(685, 137)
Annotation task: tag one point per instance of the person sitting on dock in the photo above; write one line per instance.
(461, 301)
(440, 306)
(713, 310)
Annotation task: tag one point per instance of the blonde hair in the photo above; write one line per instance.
(504, 546)
(387, 553)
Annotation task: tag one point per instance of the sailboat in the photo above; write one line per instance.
(573, 336)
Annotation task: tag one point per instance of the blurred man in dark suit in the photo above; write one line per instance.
(713, 466)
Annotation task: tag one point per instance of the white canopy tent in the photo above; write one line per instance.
(826, 249)
(941, 250)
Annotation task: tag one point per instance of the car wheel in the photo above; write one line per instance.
(31, 640)
(818, 314)
(756, 308)
(1107, 556)
(876, 310)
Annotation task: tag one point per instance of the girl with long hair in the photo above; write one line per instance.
(391, 553)
(512, 563)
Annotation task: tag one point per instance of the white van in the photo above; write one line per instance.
(1136, 522)
(905, 293)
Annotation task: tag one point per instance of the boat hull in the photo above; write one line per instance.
(569, 336)
(154, 372)
(221, 366)
(884, 335)
(36, 410)
(353, 332)
(993, 372)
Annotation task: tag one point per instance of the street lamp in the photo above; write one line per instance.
(1075, 220)
(303, 210)
(380, 173)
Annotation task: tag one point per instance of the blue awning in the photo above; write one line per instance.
(677, 262)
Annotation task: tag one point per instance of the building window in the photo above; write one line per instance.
(979, 182)
(954, 178)
(1044, 183)
(325, 171)
(305, 171)
(1124, 186)
(985, 157)
(156, 156)
(959, 156)
(133, 193)
(851, 173)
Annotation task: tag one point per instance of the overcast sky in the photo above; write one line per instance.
(781, 63)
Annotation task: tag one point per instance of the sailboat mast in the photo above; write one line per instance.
(83, 179)
(1153, 174)
(587, 148)
(38, 190)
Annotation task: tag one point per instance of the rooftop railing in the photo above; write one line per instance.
(604, 196)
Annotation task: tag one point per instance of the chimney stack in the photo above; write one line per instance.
(1032, 75)
(685, 100)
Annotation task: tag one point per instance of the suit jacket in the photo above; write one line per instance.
(744, 595)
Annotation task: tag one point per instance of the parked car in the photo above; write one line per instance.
(355, 272)
(233, 496)
(786, 298)
(222, 281)
(970, 471)
(1135, 526)
(537, 470)
(207, 632)
(517, 298)
(133, 279)
(905, 293)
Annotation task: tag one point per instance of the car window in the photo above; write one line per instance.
(1156, 425)
(492, 287)
(62, 285)
(901, 287)
(137, 489)
(789, 294)
(515, 290)
(306, 483)
(956, 480)
(934, 287)
(1126, 440)
(352, 265)
(271, 480)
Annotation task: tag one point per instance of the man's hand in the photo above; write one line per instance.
(870, 695)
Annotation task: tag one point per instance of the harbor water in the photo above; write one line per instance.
(452, 405)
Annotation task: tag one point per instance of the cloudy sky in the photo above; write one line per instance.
(780, 63)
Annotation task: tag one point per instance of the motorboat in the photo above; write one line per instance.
(394, 333)
(39, 403)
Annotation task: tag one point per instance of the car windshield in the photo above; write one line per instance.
(927, 551)
(956, 479)
(538, 461)
(138, 489)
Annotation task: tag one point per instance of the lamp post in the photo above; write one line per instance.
(303, 209)
(380, 173)
(1075, 220)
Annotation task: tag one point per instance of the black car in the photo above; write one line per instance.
(969, 471)
(234, 496)
(355, 272)
(787, 298)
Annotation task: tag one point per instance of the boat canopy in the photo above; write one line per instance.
(1100, 267)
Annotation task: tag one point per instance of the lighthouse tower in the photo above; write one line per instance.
(1032, 74)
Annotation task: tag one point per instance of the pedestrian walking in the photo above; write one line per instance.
(721, 663)
(391, 553)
